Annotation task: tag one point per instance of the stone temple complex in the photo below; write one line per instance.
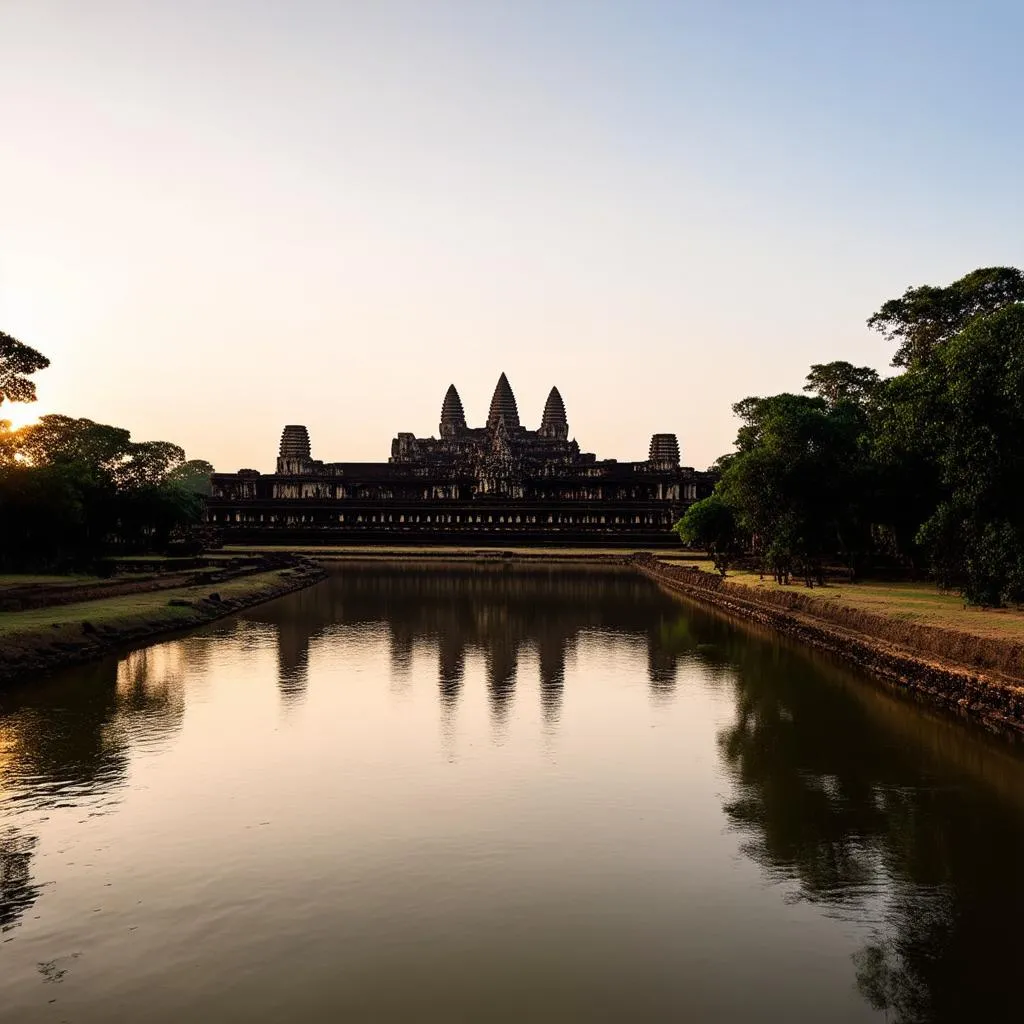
(500, 483)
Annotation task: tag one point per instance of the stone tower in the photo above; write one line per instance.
(503, 407)
(294, 453)
(453, 418)
(294, 442)
(553, 422)
(664, 449)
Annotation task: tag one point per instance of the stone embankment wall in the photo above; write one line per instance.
(978, 676)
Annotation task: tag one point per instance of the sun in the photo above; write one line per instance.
(21, 414)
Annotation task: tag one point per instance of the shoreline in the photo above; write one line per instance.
(465, 553)
(977, 678)
(93, 629)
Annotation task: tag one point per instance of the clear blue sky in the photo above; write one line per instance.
(218, 217)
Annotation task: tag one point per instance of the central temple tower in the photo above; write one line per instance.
(503, 407)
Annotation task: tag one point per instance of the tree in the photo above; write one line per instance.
(72, 490)
(797, 480)
(711, 525)
(66, 439)
(924, 465)
(148, 463)
(17, 362)
(193, 476)
(906, 422)
(843, 382)
(976, 387)
(8, 443)
(926, 317)
(45, 518)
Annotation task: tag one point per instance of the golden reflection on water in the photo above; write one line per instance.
(498, 793)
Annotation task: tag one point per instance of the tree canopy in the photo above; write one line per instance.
(843, 382)
(922, 469)
(925, 317)
(977, 530)
(17, 362)
(711, 525)
(73, 490)
(793, 483)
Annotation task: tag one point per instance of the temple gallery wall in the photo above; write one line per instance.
(497, 483)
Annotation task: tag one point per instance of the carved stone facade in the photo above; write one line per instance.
(500, 483)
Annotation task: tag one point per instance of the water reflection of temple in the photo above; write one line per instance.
(292, 662)
(502, 612)
(451, 668)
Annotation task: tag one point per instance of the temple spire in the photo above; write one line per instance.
(553, 422)
(453, 418)
(664, 449)
(503, 406)
(294, 442)
(293, 455)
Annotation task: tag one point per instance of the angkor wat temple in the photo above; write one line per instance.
(499, 483)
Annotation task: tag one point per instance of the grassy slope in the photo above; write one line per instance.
(919, 603)
(13, 580)
(126, 611)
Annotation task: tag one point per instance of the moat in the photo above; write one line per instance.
(499, 793)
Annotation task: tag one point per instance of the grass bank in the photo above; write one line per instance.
(41, 639)
(918, 603)
(916, 639)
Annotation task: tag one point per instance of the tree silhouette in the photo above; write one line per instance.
(17, 361)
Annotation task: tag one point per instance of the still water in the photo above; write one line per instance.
(498, 793)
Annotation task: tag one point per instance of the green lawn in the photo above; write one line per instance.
(128, 609)
(9, 581)
(918, 602)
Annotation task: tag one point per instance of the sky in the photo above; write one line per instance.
(219, 217)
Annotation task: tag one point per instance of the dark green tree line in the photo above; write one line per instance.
(923, 468)
(72, 490)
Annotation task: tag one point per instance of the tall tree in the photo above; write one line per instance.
(926, 317)
(72, 489)
(17, 362)
(67, 439)
(193, 475)
(905, 437)
(978, 529)
(149, 463)
(710, 524)
(841, 381)
(796, 481)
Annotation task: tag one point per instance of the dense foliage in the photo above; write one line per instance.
(711, 525)
(72, 491)
(17, 363)
(925, 468)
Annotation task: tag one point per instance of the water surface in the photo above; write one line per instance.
(499, 793)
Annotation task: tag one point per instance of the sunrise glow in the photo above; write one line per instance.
(20, 414)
